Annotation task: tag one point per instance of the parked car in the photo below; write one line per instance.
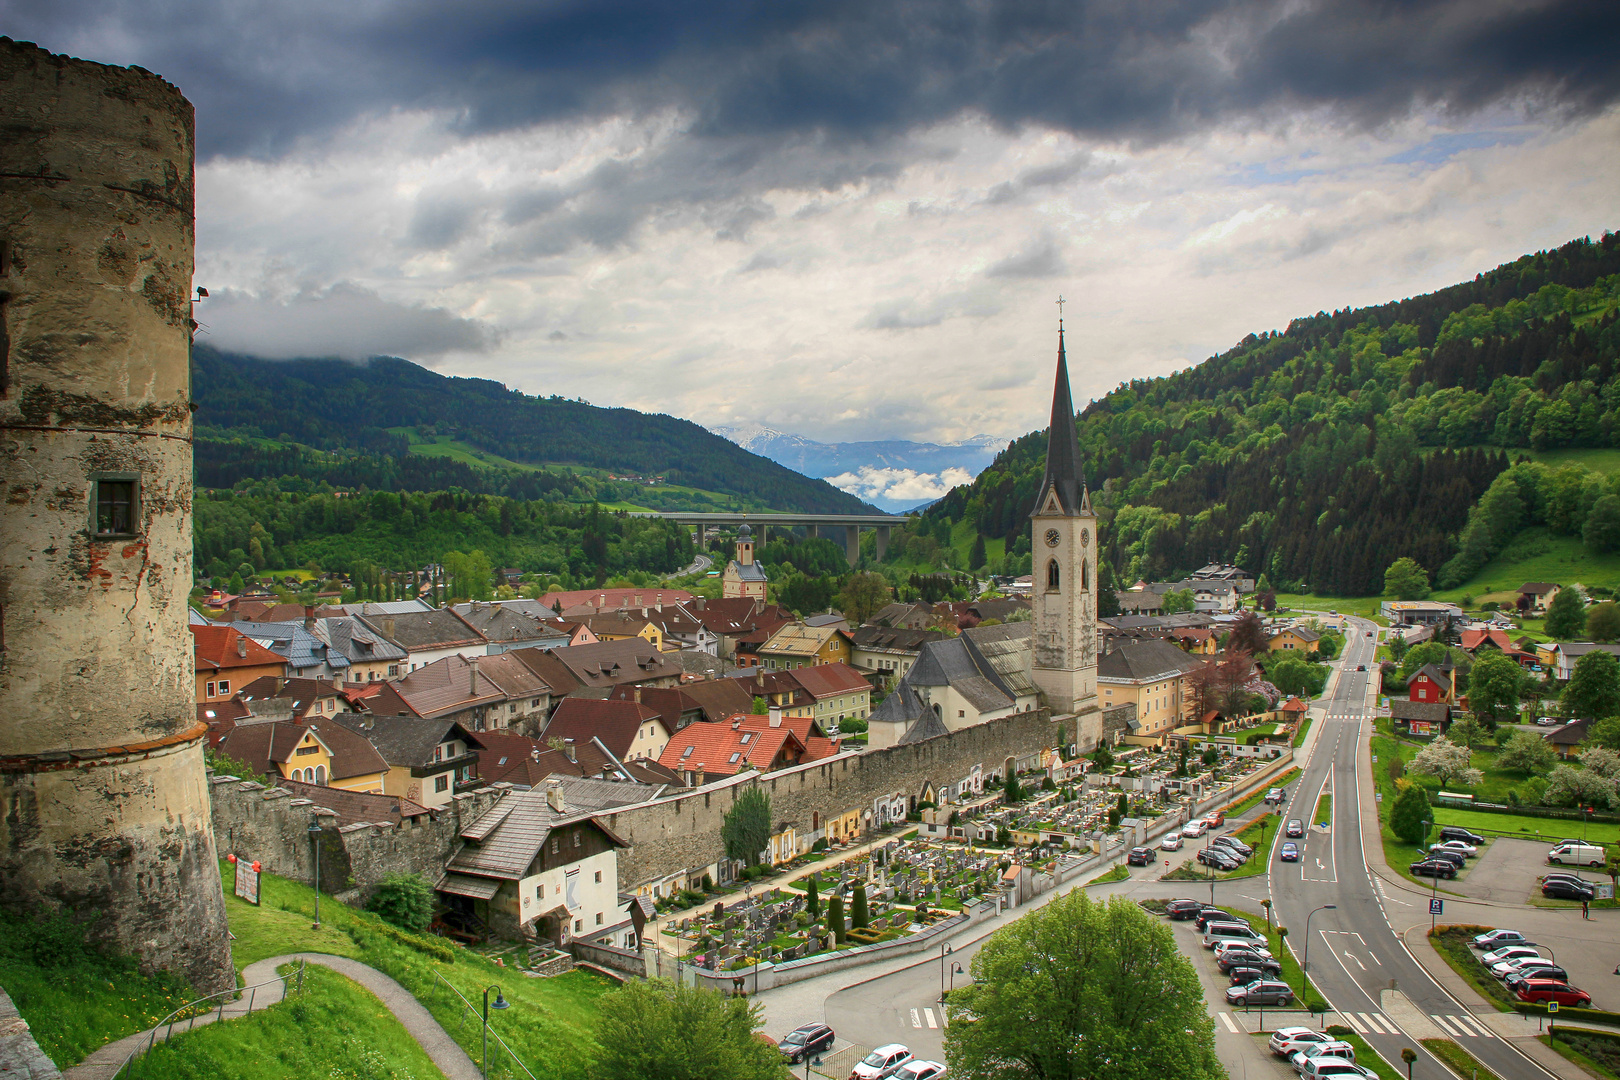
(1181, 910)
(1290, 852)
(1455, 858)
(1229, 945)
(1140, 856)
(1194, 828)
(1172, 841)
(1243, 976)
(1509, 952)
(1219, 858)
(1208, 914)
(1266, 966)
(1496, 939)
(1461, 847)
(1560, 889)
(1215, 818)
(1534, 970)
(1361, 667)
(1336, 1048)
(1548, 721)
(806, 1041)
(1217, 932)
(1457, 832)
(1277, 795)
(1569, 879)
(1235, 844)
(1337, 1069)
(1574, 852)
(881, 1063)
(1551, 990)
(918, 1069)
(1260, 992)
(1437, 868)
(1295, 828)
(1286, 1040)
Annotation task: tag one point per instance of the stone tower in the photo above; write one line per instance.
(103, 800)
(1064, 542)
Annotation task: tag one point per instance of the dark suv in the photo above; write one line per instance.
(1564, 889)
(1181, 910)
(1140, 856)
(806, 1041)
(1436, 868)
(1457, 832)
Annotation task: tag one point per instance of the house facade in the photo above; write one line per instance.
(1295, 639)
(1537, 595)
(798, 645)
(226, 660)
(884, 654)
(428, 761)
(1432, 684)
(1151, 675)
(743, 577)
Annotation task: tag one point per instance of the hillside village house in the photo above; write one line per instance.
(591, 601)
(227, 660)
(429, 636)
(541, 861)
(482, 693)
(371, 657)
(320, 752)
(738, 621)
(799, 646)
(959, 682)
(779, 690)
(428, 761)
(1150, 674)
(898, 615)
(1562, 656)
(629, 729)
(707, 699)
(527, 763)
(838, 693)
(307, 654)
(1537, 595)
(305, 698)
(1418, 717)
(1431, 683)
(703, 752)
(505, 627)
(1294, 639)
(1478, 642)
(743, 577)
(594, 670)
(683, 630)
(623, 625)
(884, 653)
(1418, 612)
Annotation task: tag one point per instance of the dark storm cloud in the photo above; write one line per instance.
(345, 320)
(263, 75)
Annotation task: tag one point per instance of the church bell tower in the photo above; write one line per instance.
(1064, 570)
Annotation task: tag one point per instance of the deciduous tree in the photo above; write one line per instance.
(1447, 761)
(1406, 580)
(1082, 989)
(1468, 732)
(1494, 688)
(1249, 634)
(1594, 686)
(1569, 786)
(862, 596)
(656, 1030)
(1605, 732)
(1603, 620)
(1411, 811)
(1566, 615)
(1525, 751)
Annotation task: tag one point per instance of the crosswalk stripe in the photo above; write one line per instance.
(1377, 1024)
(1350, 1018)
(1440, 1022)
(1227, 1020)
(916, 1021)
(928, 1014)
(1475, 1027)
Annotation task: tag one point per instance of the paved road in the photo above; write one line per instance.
(699, 564)
(1357, 960)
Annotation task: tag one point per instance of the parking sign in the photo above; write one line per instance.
(1437, 906)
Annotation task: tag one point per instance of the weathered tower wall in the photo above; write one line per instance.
(103, 803)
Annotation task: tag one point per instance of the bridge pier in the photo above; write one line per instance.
(852, 543)
(882, 541)
(812, 531)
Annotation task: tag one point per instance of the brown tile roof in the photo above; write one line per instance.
(267, 744)
(614, 722)
(718, 698)
(357, 807)
(421, 630)
(217, 648)
(797, 639)
(614, 599)
(407, 741)
(457, 683)
(517, 759)
(303, 693)
(221, 717)
(600, 665)
(830, 680)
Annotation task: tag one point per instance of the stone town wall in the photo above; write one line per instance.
(682, 832)
(101, 766)
(271, 826)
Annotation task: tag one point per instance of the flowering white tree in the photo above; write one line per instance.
(1569, 786)
(1448, 761)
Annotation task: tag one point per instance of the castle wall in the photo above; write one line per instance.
(101, 773)
(676, 833)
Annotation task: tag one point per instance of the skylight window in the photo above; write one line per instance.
(735, 758)
(687, 752)
(746, 736)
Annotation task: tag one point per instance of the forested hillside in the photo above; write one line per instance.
(354, 413)
(1320, 454)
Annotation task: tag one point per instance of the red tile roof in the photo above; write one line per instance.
(614, 722)
(830, 680)
(223, 647)
(726, 748)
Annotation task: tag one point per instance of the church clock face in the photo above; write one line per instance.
(1052, 538)
(1085, 537)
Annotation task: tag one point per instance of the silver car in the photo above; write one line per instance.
(881, 1063)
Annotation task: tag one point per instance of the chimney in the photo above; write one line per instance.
(534, 755)
(658, 601)
(241, 646)
(638, 604)
(699, 602)
(736, 724)
(635, 693)
(776, 716)
(554, 797)
(472, 678)
(309, 616)
(388, 627)
(570, 750)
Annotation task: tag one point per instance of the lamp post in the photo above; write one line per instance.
(944, 951)
(1305, 969)
(807, 1065)
(315, 855)
(500, 1003)
(1434, 878)
(956, 969)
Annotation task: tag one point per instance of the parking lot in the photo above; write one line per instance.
(1230, 1020)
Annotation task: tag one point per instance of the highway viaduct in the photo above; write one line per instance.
(815, 525)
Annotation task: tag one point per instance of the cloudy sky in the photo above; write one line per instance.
(850, 220)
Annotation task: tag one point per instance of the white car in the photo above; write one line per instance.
(1505, 968)
(1194, 828)
(1287, 1041)
(918, 1069)
(881, 1063)
(1333, 1049)
(1172, 842)
(1461, 847)
(1509, 952)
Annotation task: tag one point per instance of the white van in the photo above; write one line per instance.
(1216, 932)
(1575, 853)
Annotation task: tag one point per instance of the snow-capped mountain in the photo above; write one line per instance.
(892, 474)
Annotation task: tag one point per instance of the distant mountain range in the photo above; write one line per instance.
(893, 474)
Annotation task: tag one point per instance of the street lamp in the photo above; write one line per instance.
(956, 969)
(944, 951)
(315, 855)
(807, 1065)
(1434, 878)
(500, 1003)
(1305, 969)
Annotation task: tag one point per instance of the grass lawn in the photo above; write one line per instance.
(1117, 872)
(1366, 1056)
(76, 998)
(1536, 555)
(1526, 827)
(1260, 793)
(1596, 1052)
(551, 1022)
(1304, 726)
(1291, 973)
(1324, 808)
(1460, 1061)
(1397, 852)
(1364, 606)
(335, 1028)
(1260, 834)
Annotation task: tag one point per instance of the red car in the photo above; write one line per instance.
(1553, 990)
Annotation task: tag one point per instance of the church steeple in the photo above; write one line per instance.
(1065, 480)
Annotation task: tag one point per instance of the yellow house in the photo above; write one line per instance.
(1151, 674)
(322, 753)
(622, 626)
(1294, 639)
(799, 646)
